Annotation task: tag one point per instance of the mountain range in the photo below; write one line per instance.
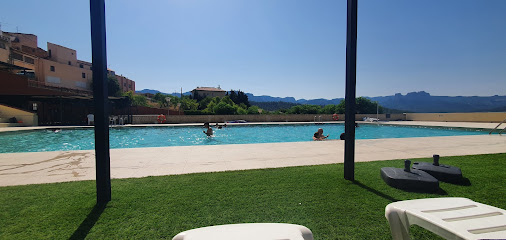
(411, 102)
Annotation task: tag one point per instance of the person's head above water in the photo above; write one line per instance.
(320, 130)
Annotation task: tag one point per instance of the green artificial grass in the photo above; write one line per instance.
(160, 207)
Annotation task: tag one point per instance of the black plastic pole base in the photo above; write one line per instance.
(413, 180)
(442, 172)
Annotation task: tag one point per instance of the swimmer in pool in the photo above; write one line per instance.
(318, 136)
(209, 131)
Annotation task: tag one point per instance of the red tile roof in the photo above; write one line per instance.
(209, 89)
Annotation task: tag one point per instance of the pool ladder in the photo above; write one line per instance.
(320, 120)
(502, 130)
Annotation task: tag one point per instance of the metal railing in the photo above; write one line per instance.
(503, 121)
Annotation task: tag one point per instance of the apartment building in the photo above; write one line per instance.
(57, 67)
(52, 83)
(125, 84)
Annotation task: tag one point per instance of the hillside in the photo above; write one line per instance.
(424, 102)
(411, 102)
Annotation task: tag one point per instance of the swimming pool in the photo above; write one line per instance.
(139, 137)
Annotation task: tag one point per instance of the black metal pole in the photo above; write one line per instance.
(351, 81)
(99, 63)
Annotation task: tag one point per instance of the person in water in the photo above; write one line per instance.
(318, 136)
(342, 136)
(209, 131)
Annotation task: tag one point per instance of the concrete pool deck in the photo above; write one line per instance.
(64, 166)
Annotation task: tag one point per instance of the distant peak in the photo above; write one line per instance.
(418, 94)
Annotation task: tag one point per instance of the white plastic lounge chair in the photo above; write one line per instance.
(451, 218)
(368, 119)
(248, 231)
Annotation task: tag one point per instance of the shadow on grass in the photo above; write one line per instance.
(372, 190)
(85, 227)
(439, 191)
(462, 182)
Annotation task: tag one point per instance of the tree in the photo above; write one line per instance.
(362, 106)
(224, 109)
(189, 104)
(365, 105)
(332, 108)
(174, 100)
(113, 88)
(136, 100)
(242, 98)
(140, 100)
(233, 96)
(239, 97)
(204, 103)
(227, 100)
(210, 106)
(161, 99)
(197, 97)
(304, 109)
(241, 111)
(253, 110)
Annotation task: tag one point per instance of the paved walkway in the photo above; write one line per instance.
(49, 167)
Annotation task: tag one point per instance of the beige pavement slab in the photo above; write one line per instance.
(49, 167)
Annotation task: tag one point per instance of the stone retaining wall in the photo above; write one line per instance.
(494, 117)
(436, 117)
(148, 119)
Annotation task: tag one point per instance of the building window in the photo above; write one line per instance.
(2, 45)
(70, 63)
(51, 68)
(81, 66)
(29, 60)
(84, 75)
(17, 56)
(49, 52)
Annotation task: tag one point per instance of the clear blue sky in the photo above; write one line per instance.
(285, 47)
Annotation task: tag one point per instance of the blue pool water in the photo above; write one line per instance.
(138, 137)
